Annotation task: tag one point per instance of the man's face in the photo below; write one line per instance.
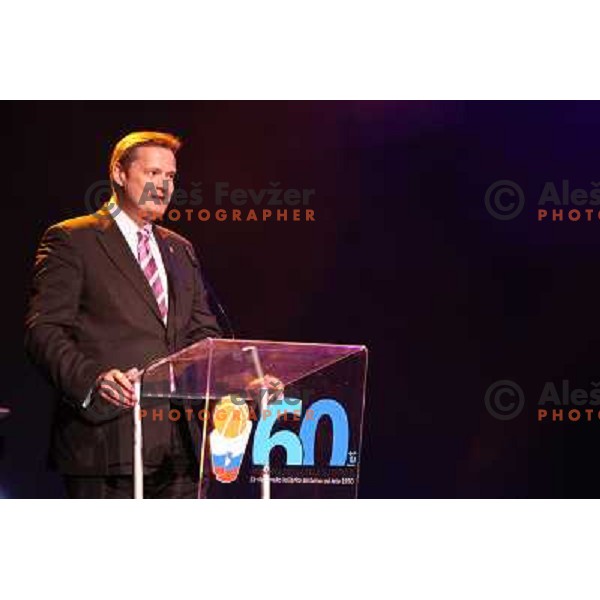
(148, 182)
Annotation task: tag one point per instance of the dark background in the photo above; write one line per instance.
(403, 257)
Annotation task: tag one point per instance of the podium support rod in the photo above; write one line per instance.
(266, 471)
(264, 403)
(138, 459)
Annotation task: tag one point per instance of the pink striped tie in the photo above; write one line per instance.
(150, 269)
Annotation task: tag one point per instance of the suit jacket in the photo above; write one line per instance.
(92, 309)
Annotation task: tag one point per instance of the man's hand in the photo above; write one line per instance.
(116, 387)
(269, 384)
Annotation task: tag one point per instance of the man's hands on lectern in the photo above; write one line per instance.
(116, 387)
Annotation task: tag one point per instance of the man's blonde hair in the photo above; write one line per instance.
(124, 151)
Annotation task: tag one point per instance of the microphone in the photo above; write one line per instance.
(211, 291)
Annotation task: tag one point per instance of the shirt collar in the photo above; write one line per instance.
(126, 224)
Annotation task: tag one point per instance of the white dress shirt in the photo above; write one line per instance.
(129, 228)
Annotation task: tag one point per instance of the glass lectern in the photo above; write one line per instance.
(268, 419)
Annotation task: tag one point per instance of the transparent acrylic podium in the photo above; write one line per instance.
(297, 437)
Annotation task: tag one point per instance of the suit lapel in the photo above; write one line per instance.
(114, 244)
(169, 260)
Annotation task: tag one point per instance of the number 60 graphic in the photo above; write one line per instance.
(300, 449)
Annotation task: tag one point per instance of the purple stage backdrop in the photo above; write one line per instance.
(459, 241)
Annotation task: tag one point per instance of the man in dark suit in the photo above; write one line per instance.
(111, 292)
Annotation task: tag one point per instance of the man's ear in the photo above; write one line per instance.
(118, 174)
